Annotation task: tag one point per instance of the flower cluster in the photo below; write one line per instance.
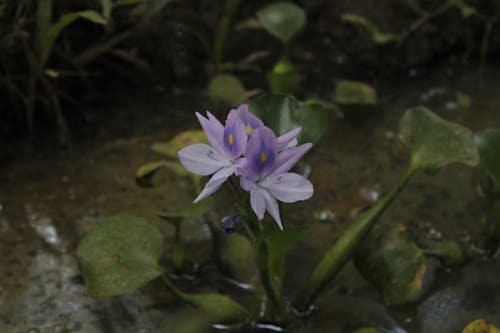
(247, 148)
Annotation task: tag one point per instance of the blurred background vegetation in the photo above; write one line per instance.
(60, 59)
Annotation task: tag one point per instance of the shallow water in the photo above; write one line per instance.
(48, 201)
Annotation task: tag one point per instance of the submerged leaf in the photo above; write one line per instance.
(488, 143)
(393, 263)
(283, 113)
(434, 142)
(282, 20)
(119, 255)
(353, 92)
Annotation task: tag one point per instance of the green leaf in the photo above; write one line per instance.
(107, 6)
(234, 255)
(227, 88)
(283, 77)
(280, 242)
(220, 308)
(283, 113)
(378, 36)
(119, 255)
(181, 140)
(464, 7)
(434, 142)
(192, 211)
(50, 34)
(149, 169)
(352, 92)
(449, 252)
(480, 326)
(282, 20)
(488, 143)
(395, 265)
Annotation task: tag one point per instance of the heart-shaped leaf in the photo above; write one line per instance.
(227, 88)
(283, 113)
(282, 20)
(488, 143)
(352, 92)
(434, 142)
(119, 255)
(393, 263)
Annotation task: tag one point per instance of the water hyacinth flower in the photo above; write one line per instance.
(219, 159)
(265, 173)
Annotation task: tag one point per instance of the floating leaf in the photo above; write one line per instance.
(480, 326)
(378, 36)
(220, 308)
(234, 255)
(280, 242)
(352, 92)
(434, 142)
(181, 140)
(227, 88)
(192, 211)
(283, 113)
(391, 260)
(282, 20)
(450, 253)
(119, 255)
(488, 143)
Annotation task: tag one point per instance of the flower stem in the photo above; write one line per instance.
(344, 247)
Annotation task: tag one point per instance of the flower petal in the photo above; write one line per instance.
(261, 152)
(288, 187)
(251, 121)
(215, 182)
(257, 201)
(289, 139)
(235, 137)
(213, 130)
(289, 157)
(272, 207)
(202, 159)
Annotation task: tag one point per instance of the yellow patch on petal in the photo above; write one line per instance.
(230, 139)
(249, 129)
(263, 158)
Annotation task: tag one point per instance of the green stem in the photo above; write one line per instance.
(345, 246)
(256, 231)
(178, 249)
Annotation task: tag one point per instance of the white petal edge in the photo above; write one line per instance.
(272, 207)
(288, 187)
(215, 182)
(202, 159)
(257, 202)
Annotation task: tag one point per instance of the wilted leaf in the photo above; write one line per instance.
(378, 36)
(352, 92)
(393, 263)
(434, 142)
(282, 20)
(480, 326)
(283, 113)
(181, 140)
(119, 255)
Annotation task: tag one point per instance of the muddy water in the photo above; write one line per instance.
(49, 200)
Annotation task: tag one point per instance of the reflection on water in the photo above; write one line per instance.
(44, 214)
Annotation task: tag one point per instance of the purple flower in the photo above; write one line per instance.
(264, 172)
(222, 157)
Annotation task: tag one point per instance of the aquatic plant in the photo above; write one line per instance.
(253, 153)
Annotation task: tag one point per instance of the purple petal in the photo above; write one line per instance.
(246, 184)
(289, 157)
(288, 187)
(261, 152)
(235, 137)
(215, 182)
(251, 121)
(272, 207)
(213, 130)
(202, 159)
(257, 201)
(288, 139)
